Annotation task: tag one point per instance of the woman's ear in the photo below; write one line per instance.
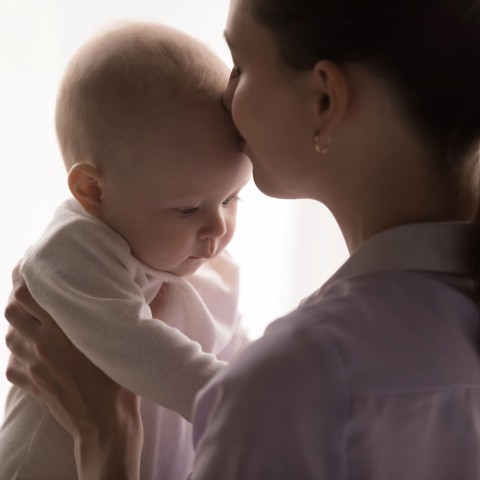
(85, 183)
(331, 96)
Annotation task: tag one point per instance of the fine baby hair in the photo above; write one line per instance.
(139, 252)
(128, 77)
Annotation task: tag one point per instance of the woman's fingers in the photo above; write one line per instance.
(21, 319)
(19, 376)
(19, 345)
(45, 363)
(21, 298)
(22, 362)
(28, 339)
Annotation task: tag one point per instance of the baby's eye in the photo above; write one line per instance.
(235, 72)
(187, 211)
(227, 202)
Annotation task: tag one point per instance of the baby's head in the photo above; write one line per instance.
(149, 148)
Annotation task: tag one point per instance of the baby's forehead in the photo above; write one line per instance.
(178, 133)
(124, 83)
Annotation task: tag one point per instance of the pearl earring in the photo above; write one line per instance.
(321, 147)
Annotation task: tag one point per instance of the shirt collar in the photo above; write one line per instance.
(430, 247)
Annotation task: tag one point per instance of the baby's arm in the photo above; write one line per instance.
(80, 276)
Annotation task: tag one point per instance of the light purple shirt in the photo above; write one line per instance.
(374, 377)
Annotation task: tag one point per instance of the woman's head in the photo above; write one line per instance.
(427, 50)
(424, 52)
(403, 75)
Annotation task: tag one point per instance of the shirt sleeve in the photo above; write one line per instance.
(81, 277)
(238, 342)
(278, 412)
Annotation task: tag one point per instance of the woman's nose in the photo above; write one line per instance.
(228, 95)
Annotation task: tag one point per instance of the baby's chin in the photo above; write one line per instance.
(188, 267)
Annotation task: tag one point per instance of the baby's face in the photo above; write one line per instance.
(177, 207)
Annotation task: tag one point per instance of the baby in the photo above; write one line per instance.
(133, 267)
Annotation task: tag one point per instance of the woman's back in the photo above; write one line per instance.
(376, 376)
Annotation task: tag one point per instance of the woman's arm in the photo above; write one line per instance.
(102, 418)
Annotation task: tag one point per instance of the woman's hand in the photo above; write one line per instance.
(102, 417)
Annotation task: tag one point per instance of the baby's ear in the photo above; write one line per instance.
(85, 183)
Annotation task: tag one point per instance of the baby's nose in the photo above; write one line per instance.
(215, 225)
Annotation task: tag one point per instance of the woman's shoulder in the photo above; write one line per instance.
(376, 298)
(418, 329)
(362, 327)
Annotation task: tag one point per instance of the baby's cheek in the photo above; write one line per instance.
(229, 235)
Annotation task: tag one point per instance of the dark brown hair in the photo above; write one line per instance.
(428, 50)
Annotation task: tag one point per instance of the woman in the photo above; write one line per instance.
(373, 109)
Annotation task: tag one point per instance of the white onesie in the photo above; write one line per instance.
(84, 275)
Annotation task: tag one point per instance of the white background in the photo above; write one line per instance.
(286, 249)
